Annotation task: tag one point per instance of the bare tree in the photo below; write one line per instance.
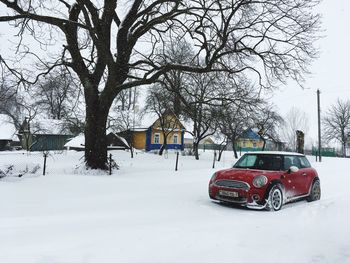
(294, 120)
(237, 115)
(199, 97)
(272, 39)
(10, 104)
(57, 94)
(268, 121)
(336, 123)
(158, 103)
(125, 115)
(178, 51)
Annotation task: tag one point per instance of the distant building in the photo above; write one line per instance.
(44, 134)
(207, 143)
(149, 135)
(249, 141)
(7, 133)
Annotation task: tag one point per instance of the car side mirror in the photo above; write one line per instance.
(293, 169)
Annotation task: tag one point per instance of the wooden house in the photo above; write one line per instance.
(249, 141)
(44, 134)
(152, 131)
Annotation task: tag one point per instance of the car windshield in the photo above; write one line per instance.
(269, 162)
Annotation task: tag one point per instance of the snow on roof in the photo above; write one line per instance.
(7, 129)
(79, 141)
(148, 119)
(49, 127)
(76, 142)
(188, 135)
(122, 139)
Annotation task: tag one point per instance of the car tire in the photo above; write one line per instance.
(315, 191)
(275, 198)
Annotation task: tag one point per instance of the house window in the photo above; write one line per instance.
(254, 144)
(175, 139)
(156, 138)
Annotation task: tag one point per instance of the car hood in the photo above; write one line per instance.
(246, 175)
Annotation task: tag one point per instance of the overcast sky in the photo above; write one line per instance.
(330, 72)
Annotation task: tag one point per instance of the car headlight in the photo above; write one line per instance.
(213, 178)
(260, 181)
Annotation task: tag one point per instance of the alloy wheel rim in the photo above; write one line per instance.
(316, 191)
(276, 199)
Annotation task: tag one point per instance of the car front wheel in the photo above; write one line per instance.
(275, 200)
(315, 193)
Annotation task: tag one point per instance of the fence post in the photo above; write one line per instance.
(110, 164)
(214, 159)
(45, 156)
(177, 160)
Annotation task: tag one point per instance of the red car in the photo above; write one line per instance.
(266, 180)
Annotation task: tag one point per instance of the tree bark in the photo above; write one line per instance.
(264, 143)
(221, 150)
(164, 146)
(234, 149)
(195, 150)
(95, 137)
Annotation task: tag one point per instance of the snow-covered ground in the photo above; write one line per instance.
(147, 212)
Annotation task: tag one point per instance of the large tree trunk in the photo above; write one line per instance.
(95, 137)
(196, 150)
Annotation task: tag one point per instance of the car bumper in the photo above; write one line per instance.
(241, 202)
(244, 197)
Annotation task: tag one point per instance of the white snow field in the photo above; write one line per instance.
(147, 212)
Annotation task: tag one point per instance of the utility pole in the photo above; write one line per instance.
(319, 126)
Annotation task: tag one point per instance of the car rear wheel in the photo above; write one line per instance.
(275, 200)
(315, 193)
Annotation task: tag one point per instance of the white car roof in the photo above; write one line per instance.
(275, 152)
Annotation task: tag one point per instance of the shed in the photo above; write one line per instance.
(44, 134)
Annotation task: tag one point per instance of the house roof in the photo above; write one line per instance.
(250, 134)
(146, 121)
(49, 127)
(79, 141)
(76, 142)
(7, 129)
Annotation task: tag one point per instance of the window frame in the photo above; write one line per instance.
(177, 139)
(156, 135)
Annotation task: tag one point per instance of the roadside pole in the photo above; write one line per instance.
(319, 126)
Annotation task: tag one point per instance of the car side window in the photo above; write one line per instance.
(291, 161)
(296, 162)
(269, 162)
(304, 163)
(288, 162)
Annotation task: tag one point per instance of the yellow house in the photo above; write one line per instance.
(151, 134)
